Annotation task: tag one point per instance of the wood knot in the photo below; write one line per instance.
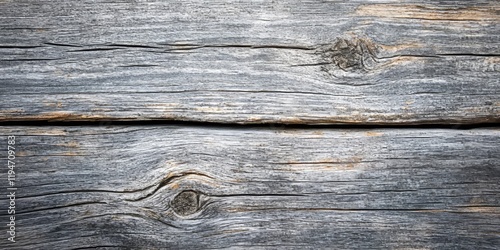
(349, 55)
(186, 203)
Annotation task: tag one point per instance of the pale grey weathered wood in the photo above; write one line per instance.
(251, 61)
(82, 187)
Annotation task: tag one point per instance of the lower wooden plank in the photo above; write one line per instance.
(182, 187)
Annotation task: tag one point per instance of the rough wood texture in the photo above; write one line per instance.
(170, 187)
(328, 62)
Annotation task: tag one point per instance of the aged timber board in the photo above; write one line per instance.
(189, 187)
(314, 62)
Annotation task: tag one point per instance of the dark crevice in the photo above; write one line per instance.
(26, 28)
(355, 209)
(310, 64)
(139, 66)
(28, 59)
(187, 46)
(134, 46)
(18, 47)
(100, 246)
(411, 55)
(93, 49)
(258, 195)
(250, 46)
(63, 45)
(469, 54)
(320, 162)
(152, 122)
(64, 192)
(61, 207)
(282, 47)
(439, 55)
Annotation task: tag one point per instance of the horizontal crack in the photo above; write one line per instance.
(188, 123)
(468, 54)
(62, 45)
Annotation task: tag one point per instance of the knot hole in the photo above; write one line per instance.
(186, 203)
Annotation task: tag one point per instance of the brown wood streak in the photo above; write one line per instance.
(431, 12)
(178, 187)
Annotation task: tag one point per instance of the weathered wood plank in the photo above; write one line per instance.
(170, 187)
(315, 62)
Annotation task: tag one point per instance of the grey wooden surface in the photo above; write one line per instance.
(388, 62)
(314, 62)
(179, 187)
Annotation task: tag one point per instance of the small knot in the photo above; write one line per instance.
(185, 203)
(350, 55)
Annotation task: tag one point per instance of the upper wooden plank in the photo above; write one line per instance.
(311, 62)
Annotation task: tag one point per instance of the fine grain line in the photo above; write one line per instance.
(429, 12)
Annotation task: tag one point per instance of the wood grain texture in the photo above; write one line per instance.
(170, 187)
(310, 62)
